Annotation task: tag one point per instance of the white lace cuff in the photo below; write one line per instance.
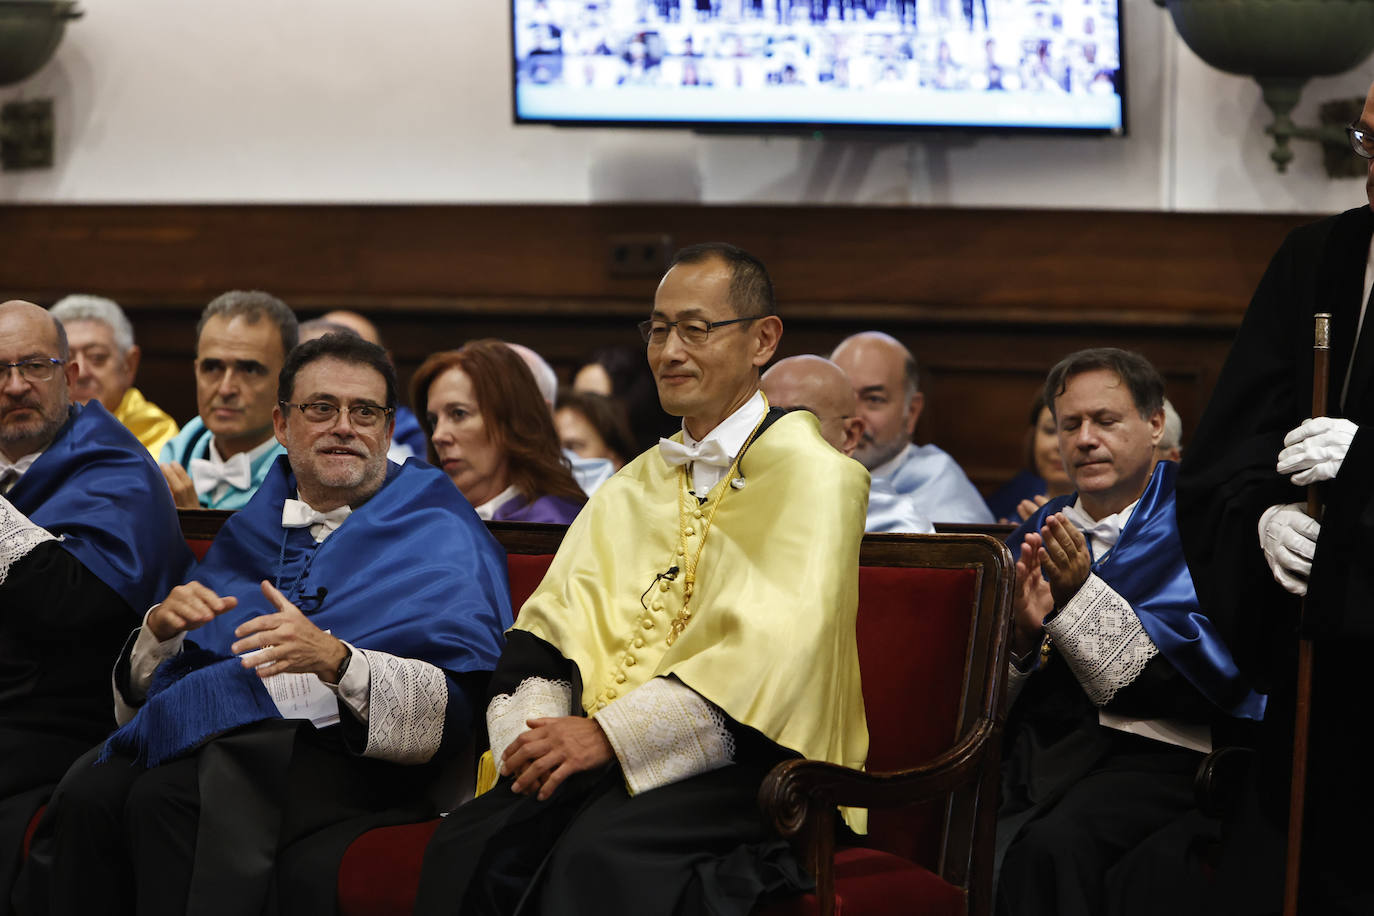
(664, 732)
(407, 700)
(18, 536)
(1102, 640)
(535, 698)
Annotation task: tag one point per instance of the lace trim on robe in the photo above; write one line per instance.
(534, 698)
(18, 536)
(1102, 640)
(664, 732)
(406, 705)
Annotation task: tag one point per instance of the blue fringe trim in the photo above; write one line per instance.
(193, 697)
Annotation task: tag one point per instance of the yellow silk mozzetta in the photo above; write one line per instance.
(148, 422)
(758, 617)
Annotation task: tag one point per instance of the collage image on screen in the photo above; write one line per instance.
(1045, 47)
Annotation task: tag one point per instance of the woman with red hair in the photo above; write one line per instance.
(490, 430)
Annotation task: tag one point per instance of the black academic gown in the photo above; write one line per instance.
(60, 629)
(1082, 803)
(1227, 481)
(695, 846)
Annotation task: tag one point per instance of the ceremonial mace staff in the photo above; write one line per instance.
(1321, 373)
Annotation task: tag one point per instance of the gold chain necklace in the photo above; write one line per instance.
(689, 511)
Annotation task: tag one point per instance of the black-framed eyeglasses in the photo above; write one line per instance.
(38, 369)
(1361, 141)
(363, 416)
(693, 331)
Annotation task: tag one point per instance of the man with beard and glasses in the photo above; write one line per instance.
(220, 457)
(88, 540)
(816, 384)
(884, 376)
(309, 681)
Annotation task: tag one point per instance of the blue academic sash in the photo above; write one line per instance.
(412, 572)
(97, 488)
(1147, 568)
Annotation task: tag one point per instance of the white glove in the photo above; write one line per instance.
(1289, 538)
(1316, 449)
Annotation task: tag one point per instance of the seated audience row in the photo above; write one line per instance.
(318, 673)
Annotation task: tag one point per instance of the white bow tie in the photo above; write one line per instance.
(1104, 534)
(237, 472)
(709, 452)
(297, 514)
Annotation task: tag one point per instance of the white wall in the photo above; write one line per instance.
(169, 101)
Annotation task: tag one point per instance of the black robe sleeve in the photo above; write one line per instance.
(60, 632)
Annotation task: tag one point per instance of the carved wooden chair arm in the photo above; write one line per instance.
(798, 797)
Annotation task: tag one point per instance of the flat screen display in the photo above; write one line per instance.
(819, 64)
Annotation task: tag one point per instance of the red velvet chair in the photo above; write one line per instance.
(199, 527)
(932, 631)
(933, 617)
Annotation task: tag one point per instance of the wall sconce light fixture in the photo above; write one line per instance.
(1283, 44)
(30, 31)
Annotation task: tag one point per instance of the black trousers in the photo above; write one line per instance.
(696, 846)
(202, 834)
(1068, 859)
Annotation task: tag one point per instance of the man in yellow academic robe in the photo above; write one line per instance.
(102, 345)
(695, 628)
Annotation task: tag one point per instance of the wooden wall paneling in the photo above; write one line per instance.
(987, 300)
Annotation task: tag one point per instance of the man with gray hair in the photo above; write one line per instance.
(102, 346)
(884, 375)
(219, 458)
(1170, 447)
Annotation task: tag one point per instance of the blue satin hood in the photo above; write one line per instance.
(412, 572)
(98, 489)
(1147, 568)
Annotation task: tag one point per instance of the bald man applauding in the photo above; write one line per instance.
(816, 384)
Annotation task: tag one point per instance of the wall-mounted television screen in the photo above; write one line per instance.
(821, 64)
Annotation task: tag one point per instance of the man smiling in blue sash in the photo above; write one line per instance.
(88, 540)
(1120, 673)
(320, 665)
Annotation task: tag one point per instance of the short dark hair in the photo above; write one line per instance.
(1141, 377)
(751, 291)
(348, 348)
(254, 305)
